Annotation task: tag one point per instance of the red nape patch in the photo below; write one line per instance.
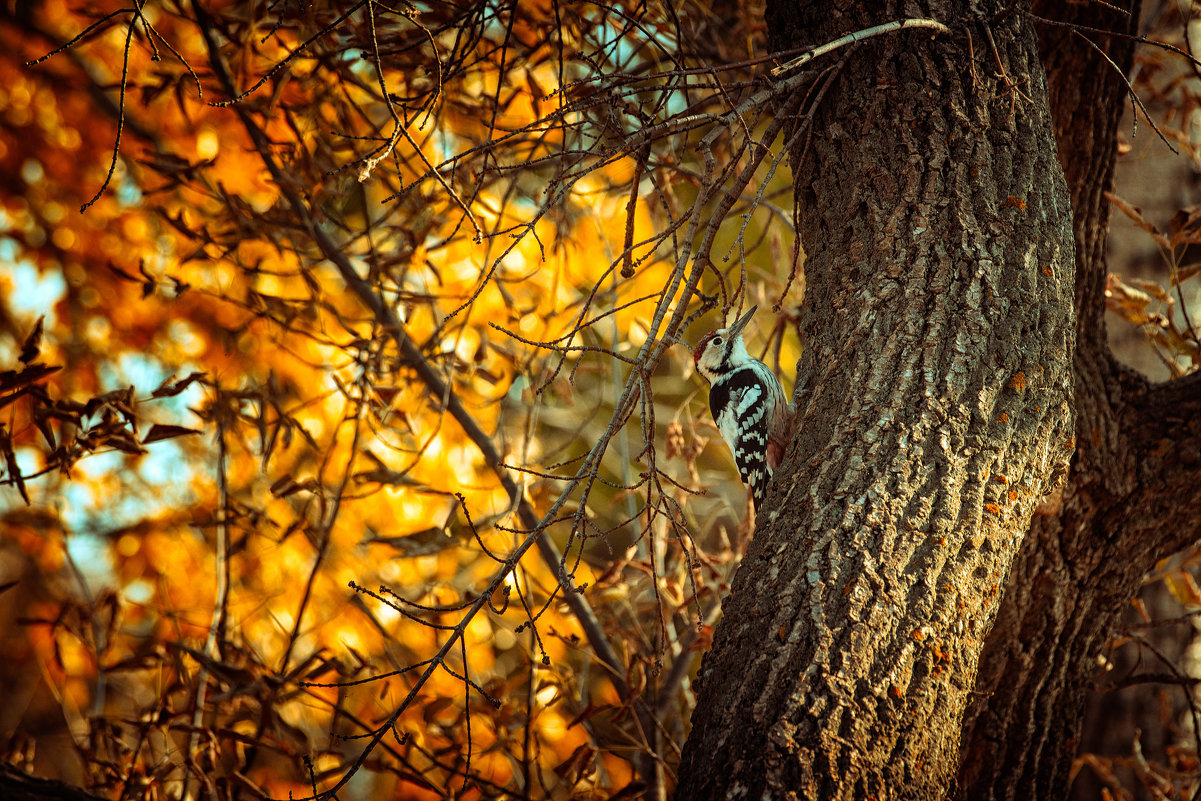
(700, 346)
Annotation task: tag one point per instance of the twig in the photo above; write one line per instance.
(79, 37)
(1129, 87)
(327, 525)
(216, 636)
(437, 387)
(112, 165)
(237, 97)
(1119, 34)
(858, 36)
(1182, 681)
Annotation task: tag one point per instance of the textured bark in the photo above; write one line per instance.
(1133, 493)
(935, 391)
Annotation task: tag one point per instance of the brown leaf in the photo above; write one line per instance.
(1183, 226)
(168, 389)
(431, 710)
(1136, 215)
(119, 399)
(159, 432)
(41, 419)
(1151, 288)
(32, 344)
(12, 379)
(1127, 301)
(10, 462)
(295, 738)
(124, 441)
(122, 273)
(1183, 587)
(634, 789)
(7, 399)
(580, 763)
(587, 712)
(1187, 271)
(286, 486)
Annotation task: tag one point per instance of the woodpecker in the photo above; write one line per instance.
(747, 402)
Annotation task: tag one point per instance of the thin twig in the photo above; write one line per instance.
(214, 643)
(112, 165)
(326, 527)
(858, 36)
(438, 388)
(1129, 87)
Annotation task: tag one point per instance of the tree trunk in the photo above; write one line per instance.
(1132, 496)
(935, 414)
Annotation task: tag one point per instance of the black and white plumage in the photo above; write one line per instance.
(747, 402)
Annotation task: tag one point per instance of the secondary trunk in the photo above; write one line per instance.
(1132, 496)
(935, 395)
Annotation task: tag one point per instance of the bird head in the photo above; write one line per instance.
(715, 351)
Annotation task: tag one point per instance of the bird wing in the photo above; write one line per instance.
(743, 414)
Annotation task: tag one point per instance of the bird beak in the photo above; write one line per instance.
(741, 322)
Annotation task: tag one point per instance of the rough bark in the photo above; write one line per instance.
(1133, 492)
(935, 391)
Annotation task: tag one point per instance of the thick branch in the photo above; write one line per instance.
(1133, 494)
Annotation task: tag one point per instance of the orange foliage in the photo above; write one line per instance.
(237, 436)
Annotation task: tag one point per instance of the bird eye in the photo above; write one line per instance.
(716, 340)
